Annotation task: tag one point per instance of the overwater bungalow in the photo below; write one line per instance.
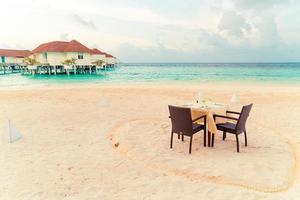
(56, 52)
(12, 59)
(97, 55)
(51, 57)
(110, 60)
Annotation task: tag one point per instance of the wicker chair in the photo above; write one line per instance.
(235, 128)
(183, 125)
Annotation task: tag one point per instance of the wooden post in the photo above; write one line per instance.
(54, 69)
(68, 72)
(75, 69)
(90, 69)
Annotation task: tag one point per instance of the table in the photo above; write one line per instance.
(208, 109)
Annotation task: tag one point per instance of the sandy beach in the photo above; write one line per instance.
(112, 142)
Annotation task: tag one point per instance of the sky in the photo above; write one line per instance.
(160, 30)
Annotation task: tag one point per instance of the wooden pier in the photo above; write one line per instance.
(11, 68)
(69, 70)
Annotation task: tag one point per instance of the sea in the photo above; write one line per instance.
(135, 73)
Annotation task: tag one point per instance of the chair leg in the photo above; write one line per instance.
(182, 137)
(224, 135)
(204, 138)
(178, 136)
(171, 143)
(208, 138)
(213, 140)
(237, 143)
(191, 141)
(245, 138)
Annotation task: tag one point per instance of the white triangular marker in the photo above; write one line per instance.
(14, 134)
(234, 99)
(199, 97)
(104, 101)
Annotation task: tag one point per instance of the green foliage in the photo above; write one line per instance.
(98, 62)
(31, 61)
(71, 61)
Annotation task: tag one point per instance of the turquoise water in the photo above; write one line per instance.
(162, 72)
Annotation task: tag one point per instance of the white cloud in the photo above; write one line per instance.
(64, 37)
(233, 24)
(80, 20)
(258, 4)
(197, 30)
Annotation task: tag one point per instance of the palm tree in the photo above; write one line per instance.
(31, 64)
(31, 61)
(2, 66)
(98, 62)
(69, 62)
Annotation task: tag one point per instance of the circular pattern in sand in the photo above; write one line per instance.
(146, 142)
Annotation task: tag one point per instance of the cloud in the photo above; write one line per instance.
(268, 31)
(258, 4)
(156, 31)
(128, 53)
(5, 46)
(212, 40)
(83, 22)
(233, 24)
(64, 36)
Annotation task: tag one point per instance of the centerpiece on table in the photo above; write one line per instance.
(203, 101)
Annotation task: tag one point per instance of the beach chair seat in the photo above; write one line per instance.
(197, 127)
(226, 126)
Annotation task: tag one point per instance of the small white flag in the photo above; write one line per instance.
(13, 133)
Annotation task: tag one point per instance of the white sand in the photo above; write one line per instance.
(69, 135)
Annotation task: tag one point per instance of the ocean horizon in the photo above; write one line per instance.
(263, 72)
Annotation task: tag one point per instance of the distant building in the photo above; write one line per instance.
(110, 59)
(96, 54)
(12, 56)
(56, 52)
